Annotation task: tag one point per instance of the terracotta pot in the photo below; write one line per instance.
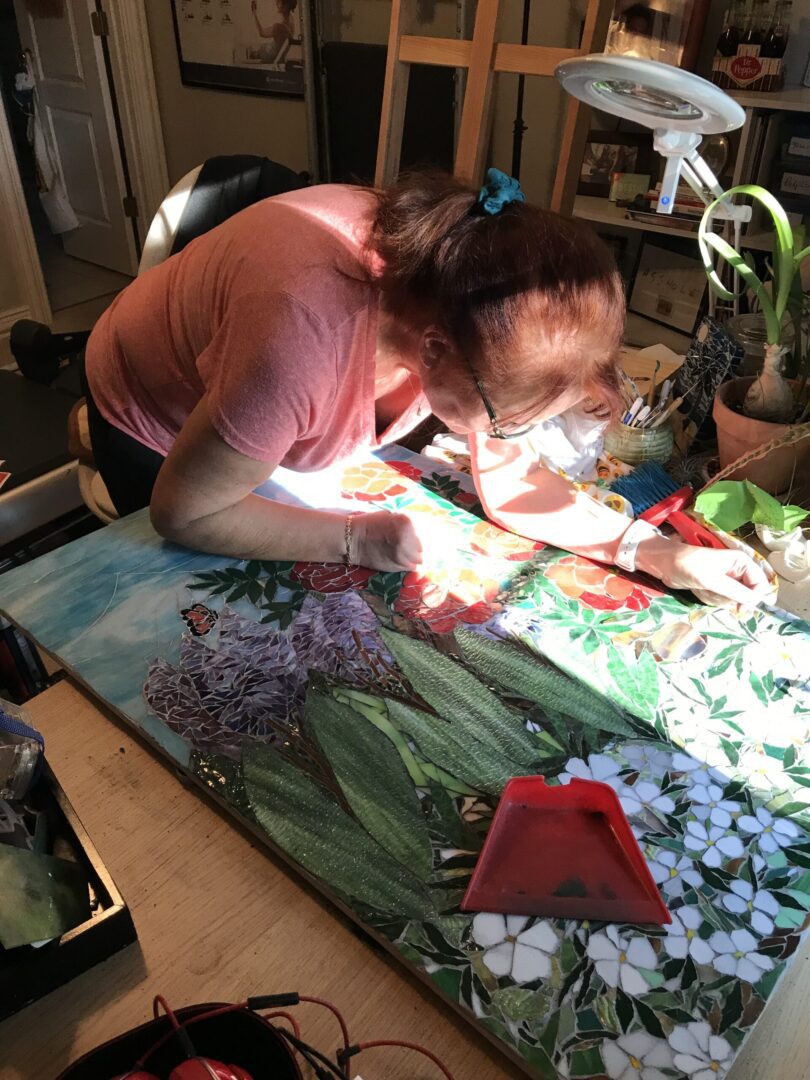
(738, 434)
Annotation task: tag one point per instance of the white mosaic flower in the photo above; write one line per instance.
(699, 1053)
(671, 871)
(644, 795)
(737, 955)
(617, 959)
(637, 1056)
(511, 949)
(711, 845)
(760, 905)
(709, 765)
(772, 832)
(651, 760)
(761, 772)
(708, 803)
(598, 767)
(682, 937)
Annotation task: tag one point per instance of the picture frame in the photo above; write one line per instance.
(668, 288)
(609, 152)
(669, 31)
(249, 46)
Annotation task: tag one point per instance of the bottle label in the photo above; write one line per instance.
(747, 69)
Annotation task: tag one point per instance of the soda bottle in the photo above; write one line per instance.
(730, 36)
(776, 38)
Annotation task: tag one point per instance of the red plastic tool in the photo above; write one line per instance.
(567, 852)
(671, 510)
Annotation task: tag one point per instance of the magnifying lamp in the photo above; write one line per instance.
(679, 106)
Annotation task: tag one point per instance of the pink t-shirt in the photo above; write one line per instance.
(272, 316)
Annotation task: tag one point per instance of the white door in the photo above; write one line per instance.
(67, 63)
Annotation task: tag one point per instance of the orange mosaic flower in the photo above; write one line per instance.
(489, 539)
(598, 587)
(443, 605)
(371, 483)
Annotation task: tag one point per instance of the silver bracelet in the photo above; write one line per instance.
(634, 535)
(348, 527)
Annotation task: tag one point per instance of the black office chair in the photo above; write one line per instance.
(205, 197)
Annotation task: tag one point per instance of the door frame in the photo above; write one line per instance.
(142, 133)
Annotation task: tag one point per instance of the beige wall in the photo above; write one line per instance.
(550, 24)
(199, 123)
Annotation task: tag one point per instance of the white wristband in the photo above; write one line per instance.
(635, 534)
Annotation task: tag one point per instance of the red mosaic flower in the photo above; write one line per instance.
(406, 469)
(330, 577)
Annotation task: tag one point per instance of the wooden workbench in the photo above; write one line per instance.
(217, 919)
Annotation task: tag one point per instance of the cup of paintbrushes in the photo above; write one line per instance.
(644, 433)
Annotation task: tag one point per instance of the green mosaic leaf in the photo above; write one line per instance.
(308, 825)
(459, 697)
(531, 678)
(637, 682)
(451, 747)
(373, 779)
(516, 1003)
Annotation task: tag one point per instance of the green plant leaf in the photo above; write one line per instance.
(373, 780)
(793, 516)
(451, 747)
(529, 677)
(785, 259)
(458, 696)
(311, 828)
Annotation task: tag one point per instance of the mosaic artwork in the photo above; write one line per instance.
(368, 722)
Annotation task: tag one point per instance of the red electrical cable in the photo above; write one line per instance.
(408, 1046)
(287, 1016)
(159, 999)
(220, 1011)
(344, 1030)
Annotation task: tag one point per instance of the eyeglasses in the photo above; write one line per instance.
(498, 430)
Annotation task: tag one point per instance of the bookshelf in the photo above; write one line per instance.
(767, 115)
(796, 99)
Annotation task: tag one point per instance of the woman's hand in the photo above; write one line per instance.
(714, 576)
(384, 541)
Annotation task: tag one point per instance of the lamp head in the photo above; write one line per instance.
(649, 93)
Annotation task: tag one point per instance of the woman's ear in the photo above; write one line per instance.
(434, 348)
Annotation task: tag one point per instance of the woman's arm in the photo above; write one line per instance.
(261, 30)
(203, 499)
(541, 505)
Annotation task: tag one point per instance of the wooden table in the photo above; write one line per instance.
(217, 919)
(182, 865)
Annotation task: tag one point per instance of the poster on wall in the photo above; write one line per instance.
(253, 45)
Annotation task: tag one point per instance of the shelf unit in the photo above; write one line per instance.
(603, 212)
(796, 99)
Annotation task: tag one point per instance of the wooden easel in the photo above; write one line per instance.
(482, 57)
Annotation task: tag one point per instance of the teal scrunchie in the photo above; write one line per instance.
(498, 191)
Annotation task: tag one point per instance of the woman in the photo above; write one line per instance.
(336, 317)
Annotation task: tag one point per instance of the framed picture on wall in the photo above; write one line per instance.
(246, 45)
(609, 152)
(669, 288)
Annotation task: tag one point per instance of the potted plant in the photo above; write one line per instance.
(752, 413)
